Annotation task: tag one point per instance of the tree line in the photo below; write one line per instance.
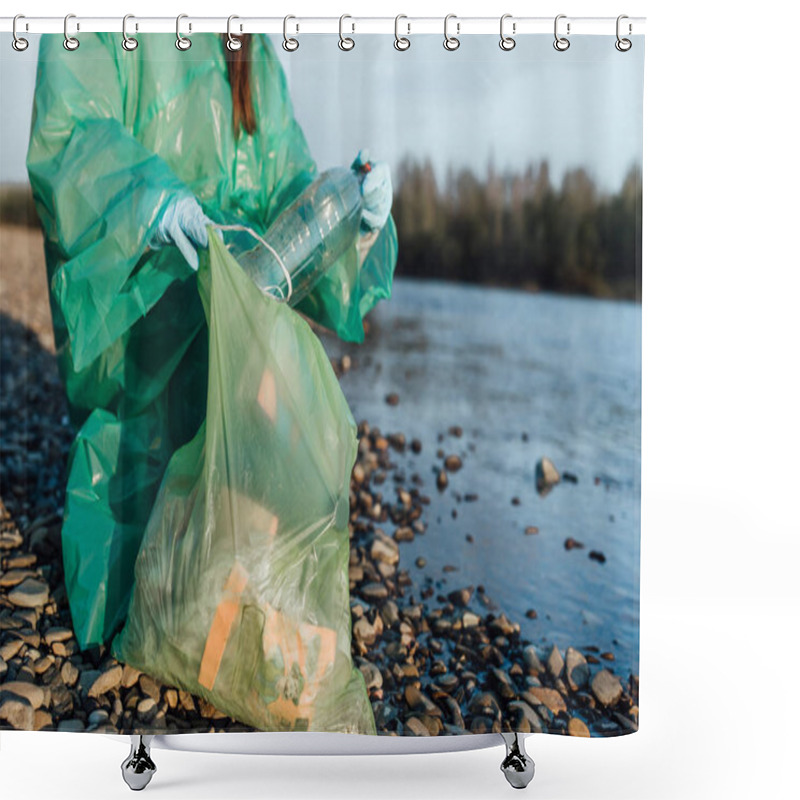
(520, 230)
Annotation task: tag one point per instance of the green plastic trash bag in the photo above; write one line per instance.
(241, 593)
(115, 135)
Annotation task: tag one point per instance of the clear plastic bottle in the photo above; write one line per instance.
(308, 237)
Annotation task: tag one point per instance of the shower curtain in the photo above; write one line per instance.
(405, 503)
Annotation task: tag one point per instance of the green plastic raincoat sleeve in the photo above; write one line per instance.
(349, 290)
(99, 194)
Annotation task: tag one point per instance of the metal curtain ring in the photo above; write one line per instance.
(70, 42)
(181, 42)
(507, 42)
(561, 43)
(451, 42)
(345, 42)
(233, 44)
(623, 45)
(17, 42)
(289, 44)
(128, 42)
(401, 42)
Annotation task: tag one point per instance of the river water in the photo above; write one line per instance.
(525, 376)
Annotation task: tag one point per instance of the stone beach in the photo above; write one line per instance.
(437, 658)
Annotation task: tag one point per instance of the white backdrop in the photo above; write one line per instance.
(721, 536)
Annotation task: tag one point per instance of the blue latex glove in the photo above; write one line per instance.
(376, 190)
(183, 224)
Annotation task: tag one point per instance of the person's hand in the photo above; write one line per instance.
(376, 191)
(183, 224)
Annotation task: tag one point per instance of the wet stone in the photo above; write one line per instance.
(441, 480)
(17, 712)
(555, 663)
(385, 550)
(452, 463)
(577, 670)
(33, 694)
(372, 676)
(69, 673)
(390, 613)
(546, 476)
(105, 681)
(416, 727)
(606, 687)
(524, 711)
(130, 676)
(404, 534)
(460, 597)
(374, 591)
(420, 562)
(549, 698)
(31, 593)
(14, 577)
(54, 635)
(10, 649)
(577, 727)
(149, 687)
(147, 709)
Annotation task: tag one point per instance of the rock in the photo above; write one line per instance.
(130, 676)
(607, 656)
(531, 613)
(531, 530)
(147, 709)
(374, 591)
(390, 614)
(372, 675)
(578, 673)
(433, 724)
(503, 626)
(384, 549)
(555, 663)
(43, 664)
(515, 501)
(418, 701)
(448, 682)
(404, 534)
(484, 725)
(10, 539)
(577, 727)
(3, 669)
(470, 620)
(503, 684)
(546, 476)
(484, 704)
(416, 446)
(452, 463)
(596, 555)
(364, 632)
(106, 681)
(392, 399)
(549, 698)
(460, 597)
(17, 712)
(10, 649)
(42, 719)
(441, 480)
(606, 687)
(149, 687)
(69, 673)
(54, 635)
(416, 727)
(569, 477)
(98, 717)
(14, 577)
(531, 660)
(31, 593)
(573, 544)
(524, 711)
(71, 726)
(420, 562)
(34, 695)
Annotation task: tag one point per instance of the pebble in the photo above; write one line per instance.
(531, 660)
(31, 593)
(149, 687)
(34, 695)
(460, 597)
(418, 701)
(9, 540)
(416, 727)
(470, 620)
(69, 673)
(42, 664)
(452, 463)
(531, 530)
(364, 632)
(441, 480)
(526, 713)
(404, 534)
(130, 676)
(573, 544)
(420, 562)
(3, 669)
(549, 698)
(98, 717)
(416, 446)
(384, 549)
(555, 662)
(484, 703)
(57, 635)
(569, 477)
(392, 399)
(374, 591)
(596, 555)
(105, 681)
(372, 675)
(17, 712)
(42, 719)
(577, 670)
(515, 501)
(546, 476)
(14, 577)
(577, 727)
(71, 726)
(606, 687)
(10, 649)
(390, 614)
(531, 613)
(147, 709)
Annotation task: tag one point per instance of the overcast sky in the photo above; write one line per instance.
(578, 108)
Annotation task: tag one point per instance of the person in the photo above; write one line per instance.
(131, 155)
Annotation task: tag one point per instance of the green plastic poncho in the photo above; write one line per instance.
(115, 135)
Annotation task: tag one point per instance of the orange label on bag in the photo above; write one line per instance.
(220, 630)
